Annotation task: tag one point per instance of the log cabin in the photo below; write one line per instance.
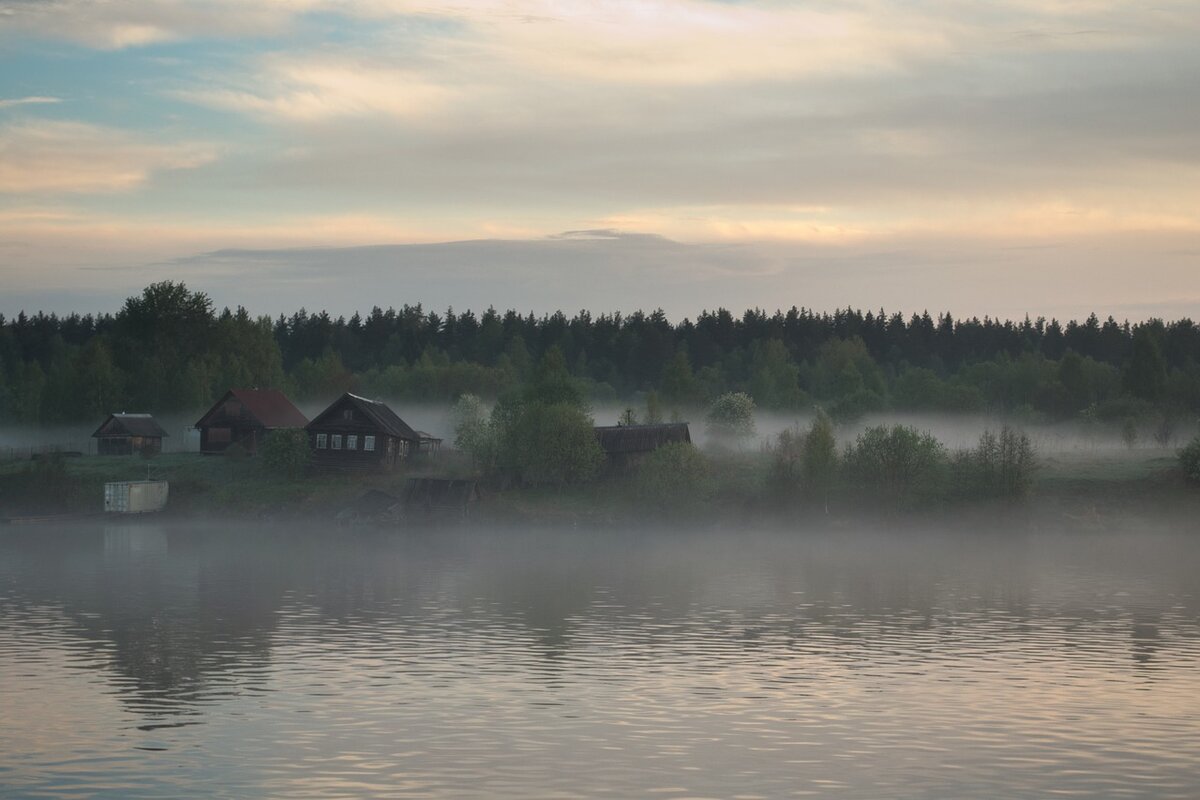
(355, 433)
(245, 417)
(625, 446)
(125, 434)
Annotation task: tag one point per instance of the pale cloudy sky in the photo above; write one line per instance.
(982, 157)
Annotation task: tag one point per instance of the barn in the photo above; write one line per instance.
(625, 445)
(125, 434)
(360, 434)
(245, 417)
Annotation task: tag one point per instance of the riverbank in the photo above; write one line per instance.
(1081, 485)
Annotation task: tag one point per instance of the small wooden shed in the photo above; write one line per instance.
(355, 433)
(245, 417)
(626, 445)
(124, 434)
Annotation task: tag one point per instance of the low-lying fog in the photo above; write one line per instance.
(954, 431)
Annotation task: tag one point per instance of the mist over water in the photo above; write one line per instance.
(151, 660)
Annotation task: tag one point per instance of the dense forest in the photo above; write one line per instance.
(169, 350)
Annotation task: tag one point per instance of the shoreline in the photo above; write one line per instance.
(1078, 489)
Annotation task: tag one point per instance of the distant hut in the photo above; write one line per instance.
(245, 417)
(429, 444)
(125, 434)
(626, 445)
(357, 433)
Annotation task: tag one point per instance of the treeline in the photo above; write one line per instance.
(170, 350)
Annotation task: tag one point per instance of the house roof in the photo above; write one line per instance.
(269, 407)
(640, 438)
(376, 411)
(124, 424)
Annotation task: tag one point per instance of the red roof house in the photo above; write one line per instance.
(245, 417)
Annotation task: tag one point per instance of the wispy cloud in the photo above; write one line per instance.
(53, 156)
(27, 101)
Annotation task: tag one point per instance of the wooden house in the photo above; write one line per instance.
(125, 434)
(357, 433)
(625, 445)
(246, 417)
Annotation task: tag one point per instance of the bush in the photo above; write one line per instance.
(285, 452)
(541, 443)
(820, 458)
(731, 418)
(674, 478)
(897, 466)
(786, 478)
(1189, 459)
(474, 433)
(999, 466)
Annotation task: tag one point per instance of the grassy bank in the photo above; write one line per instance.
(204, 486)
(1076, 484)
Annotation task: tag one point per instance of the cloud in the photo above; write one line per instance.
(1121, 274)
(120, 24)
(46, 156)
(311, 89)
(27, 101)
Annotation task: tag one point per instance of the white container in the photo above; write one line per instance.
(135, 497)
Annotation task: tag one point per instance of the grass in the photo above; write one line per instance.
(200, 485)
(215, 486)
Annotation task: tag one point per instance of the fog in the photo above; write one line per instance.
(955, 431)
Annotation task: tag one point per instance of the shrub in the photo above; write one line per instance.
(286, 452)
(786, 478)
(731, 418)
(541, 443)
(1189, 459)
(820, 458)
(999, 466)
(1129, 432)
(674, 478)
(897, 466)
(474, 433)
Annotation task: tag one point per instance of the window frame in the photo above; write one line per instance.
(368, 444)
(322, 441)
(351, 441)
(335, 441)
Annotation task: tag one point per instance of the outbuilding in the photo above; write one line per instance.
(625, 445)
(360, 434)
(245, 417)
(124, 434)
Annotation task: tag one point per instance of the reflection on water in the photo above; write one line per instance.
(142, 661)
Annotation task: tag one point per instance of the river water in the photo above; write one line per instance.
(225, 661)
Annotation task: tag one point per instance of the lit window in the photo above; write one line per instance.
(337, 441)
(369, 443)
(322, 441)
(352, 442)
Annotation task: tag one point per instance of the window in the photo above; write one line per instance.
(348, 413)
(369, 443)
(337, 441)
(352, 442)
(322, 441)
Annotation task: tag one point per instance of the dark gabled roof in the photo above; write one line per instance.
(269, 407)
(374, 410)
(640, 438)
(130, 425)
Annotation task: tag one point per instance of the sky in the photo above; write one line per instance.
(1003, 158)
